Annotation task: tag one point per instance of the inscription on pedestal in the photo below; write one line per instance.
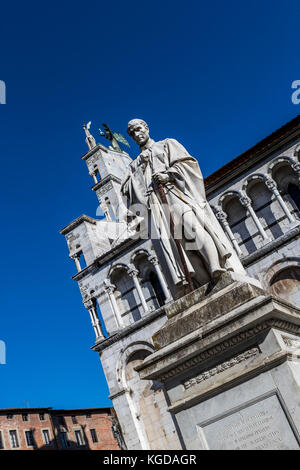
(260, 426)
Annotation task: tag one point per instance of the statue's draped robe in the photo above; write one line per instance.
(184, 192)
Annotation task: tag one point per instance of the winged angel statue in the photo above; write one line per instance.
(114, 138)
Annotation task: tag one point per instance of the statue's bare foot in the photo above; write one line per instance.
(218, 272)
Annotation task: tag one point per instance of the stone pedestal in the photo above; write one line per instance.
(228, 357)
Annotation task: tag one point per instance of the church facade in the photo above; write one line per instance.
(127, 290)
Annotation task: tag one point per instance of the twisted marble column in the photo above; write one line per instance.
(109, 289)
(91, 307)
(133, 273)
(222, 217)
(153, 260)
(272, 186)
(77, 262)
(246, 202)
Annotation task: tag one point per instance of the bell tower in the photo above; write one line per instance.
(107, 168)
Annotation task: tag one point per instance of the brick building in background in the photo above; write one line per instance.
(47, 429)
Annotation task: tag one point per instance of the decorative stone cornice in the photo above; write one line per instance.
(223, 383)
(87, 155)
(117, 250)
(221, 367)
(76, 222)
(106, 257)
(199, 313)
(273, 245)
(113, 396)
(226, 345)
(105, 180)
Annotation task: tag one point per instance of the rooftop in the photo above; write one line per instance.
(250, 154)
(54, 411)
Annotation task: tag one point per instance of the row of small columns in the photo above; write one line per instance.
(94, 176)
(247, 203)
(109, 289)
(133, 273)
(102, 205)
(92, 309)
(77, 262)
(153, 259)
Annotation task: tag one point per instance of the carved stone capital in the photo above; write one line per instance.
(221, 216)
(245, 201)
(296, 167)
(271, 184)
(89, 304)
(153, 260)
(133, 272)
(108, 286)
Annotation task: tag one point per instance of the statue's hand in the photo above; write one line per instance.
(161, 178)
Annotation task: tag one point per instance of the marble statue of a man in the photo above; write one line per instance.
(168, 163)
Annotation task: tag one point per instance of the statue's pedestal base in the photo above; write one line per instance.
(229, 357)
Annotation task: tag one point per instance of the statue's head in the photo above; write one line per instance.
(139, 131)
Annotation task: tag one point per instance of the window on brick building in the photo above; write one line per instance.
(29, 438)
(64, 439)
(74, 419)
(61, 420)
(14, 439)
(79, 438)
(24, 417)
(9, 416)
(46, 437)
(1, 441)
(42, 416)
(94, 435)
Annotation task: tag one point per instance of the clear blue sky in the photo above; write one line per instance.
(214, 75)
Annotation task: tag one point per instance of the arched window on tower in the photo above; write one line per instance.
(241, 224)
(99, 316)
(266, 207)
(96, 174)
(288, 186)
(126, 296)
(286, 284)
(151, 285)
